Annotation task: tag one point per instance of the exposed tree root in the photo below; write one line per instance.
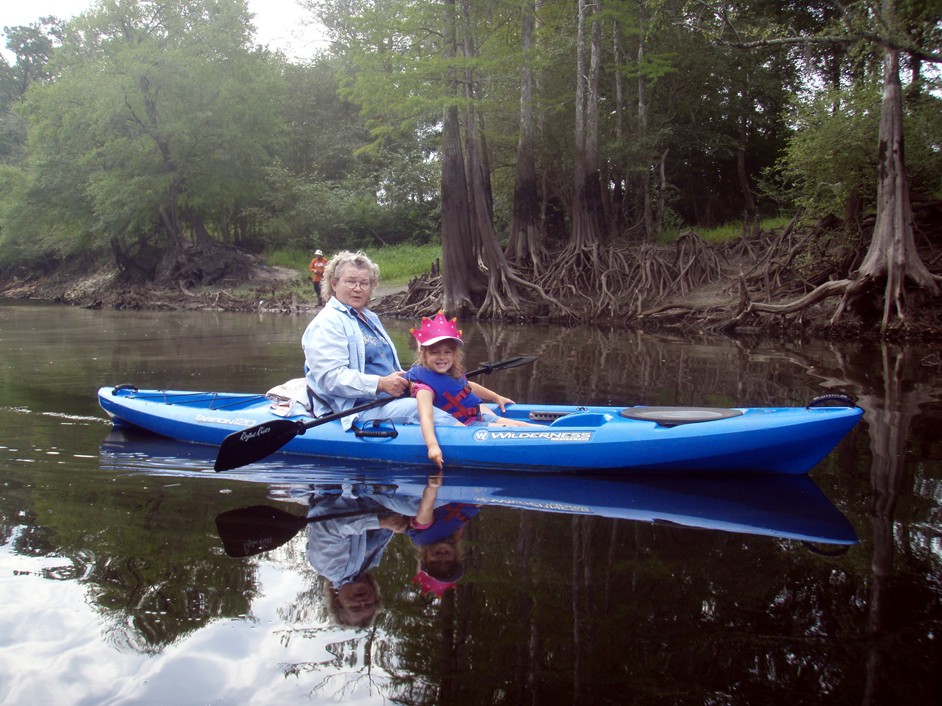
(780, 280)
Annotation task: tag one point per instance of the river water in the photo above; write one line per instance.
(119, 586)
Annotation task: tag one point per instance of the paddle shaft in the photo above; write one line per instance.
(241, 448)
(485, 369)
(261, 528)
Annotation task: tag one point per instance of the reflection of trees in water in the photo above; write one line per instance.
(143, 561)
(554, 607)
(902, 615)
(350, 671)
(590, 365)
(150, 606)
(561, 609)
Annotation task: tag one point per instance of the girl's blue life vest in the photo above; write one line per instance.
(451, 394)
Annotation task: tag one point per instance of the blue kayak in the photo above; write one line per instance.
(785, 506)
(570, 438)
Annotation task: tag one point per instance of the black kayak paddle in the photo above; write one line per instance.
(241, 448)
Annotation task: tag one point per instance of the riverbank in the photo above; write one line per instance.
(265, 289)
(271, 289)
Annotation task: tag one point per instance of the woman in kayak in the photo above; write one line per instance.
(439, 384)
(349, 359)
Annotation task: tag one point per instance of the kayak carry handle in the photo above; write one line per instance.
(834, 397)
(124, 386)
(376, 433)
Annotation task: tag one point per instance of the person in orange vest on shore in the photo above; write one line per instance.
(317, 274)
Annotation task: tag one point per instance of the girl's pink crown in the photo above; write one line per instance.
(431, 331)
(430, 584)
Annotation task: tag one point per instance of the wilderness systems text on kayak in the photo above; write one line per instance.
(483, 435)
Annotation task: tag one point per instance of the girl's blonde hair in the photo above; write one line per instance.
(333, 267)
(457, 370)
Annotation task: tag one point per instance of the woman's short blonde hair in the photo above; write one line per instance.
(341, 616)
(335, 265)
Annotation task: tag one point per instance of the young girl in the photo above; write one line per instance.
(438, 380)
(438, 545)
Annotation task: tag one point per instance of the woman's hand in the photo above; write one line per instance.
(393, 384)
(394, 522)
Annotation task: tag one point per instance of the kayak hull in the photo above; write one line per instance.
(785, 506)
(789, 440)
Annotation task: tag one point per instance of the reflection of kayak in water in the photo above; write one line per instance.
(639, 439)
(787, 506)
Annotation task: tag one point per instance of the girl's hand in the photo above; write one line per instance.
(501, 401)
(435, 456)
(435, 481)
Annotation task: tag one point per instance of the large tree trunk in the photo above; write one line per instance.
(458, 260)
(750, 216)
(501, 292)
(523, 247)
(587, 197)
(618, 177)
(172, 220)
(892, 253)
(643, 111)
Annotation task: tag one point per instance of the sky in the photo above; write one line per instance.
(279, 23)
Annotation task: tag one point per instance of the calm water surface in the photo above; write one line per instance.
(117, 587)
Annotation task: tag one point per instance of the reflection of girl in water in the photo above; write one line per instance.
(439, 546)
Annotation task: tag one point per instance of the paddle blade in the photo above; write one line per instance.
(241, 448)
(514, 362)
(256, 529)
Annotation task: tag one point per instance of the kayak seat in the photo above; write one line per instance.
(674, 416)
(582, 419)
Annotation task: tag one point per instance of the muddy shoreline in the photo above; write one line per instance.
(286, 291)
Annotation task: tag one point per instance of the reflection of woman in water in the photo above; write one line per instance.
(358, 524)
(439, 546)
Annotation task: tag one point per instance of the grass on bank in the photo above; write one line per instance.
(397, 263)
(727, 231)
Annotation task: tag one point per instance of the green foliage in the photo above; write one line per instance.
(307, 213)
(832, 155)
(923, 135)
(149, 122)
(31, 47)
(290, 258)
(157, 123)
